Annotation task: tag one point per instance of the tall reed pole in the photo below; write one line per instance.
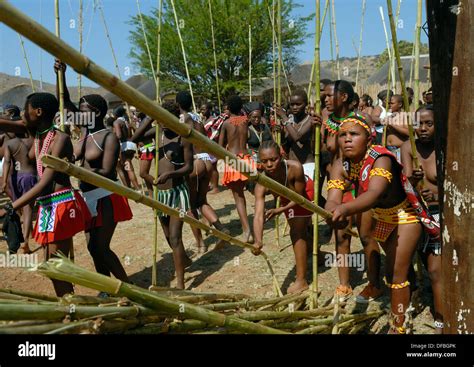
(107, 34)
(402, 82)
(412, 60)
(416, 88)
(215, 56)
(360, 43)
(250, 63)
(280, 63)
(331, 46)
(60, 72)
(317, 139)
(274, 58)
(387, 41)
(158, 53)
(80, 30)
(154, 274)
(280, 55)
(142, 23)
(392, 65)
(184, 53)
(335, 39)
(25, 56)
(310, 84)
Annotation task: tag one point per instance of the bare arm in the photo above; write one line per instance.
(296, 135)
(223, 135)
(413, 175)
(139, 133)
(118, 130)
(258, 220)
(48, 175)
(335, 195)
(6, 168)
(12, 126)
(376, 112)
(80, 146)
(377, 187)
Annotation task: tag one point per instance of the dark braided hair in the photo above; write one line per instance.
(368, 100)
(96, 101)
(269, 144)
(184, 99)
(301, 93)
(343, 86)
(234, 103)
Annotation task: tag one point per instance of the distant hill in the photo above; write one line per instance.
(348, 67)
(14, 87)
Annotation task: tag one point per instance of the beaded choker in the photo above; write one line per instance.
(40, 152)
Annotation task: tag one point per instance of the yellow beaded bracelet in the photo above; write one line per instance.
(382, 173)
(336, 184)
(397, 286)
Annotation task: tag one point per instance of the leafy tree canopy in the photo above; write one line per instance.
(231, 28)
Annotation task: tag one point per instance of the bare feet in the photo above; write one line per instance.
(297, 286)
(248, 237)
(202, 249)
(24, 249)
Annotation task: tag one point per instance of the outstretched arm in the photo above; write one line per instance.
(139, 133)
(48, 175)
(377, 187)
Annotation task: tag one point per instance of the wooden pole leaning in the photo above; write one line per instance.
(101, 181)
(60, 72)
(215, 56)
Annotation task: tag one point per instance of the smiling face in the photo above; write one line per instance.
(426, 129)
(354, 141)
(270, 159)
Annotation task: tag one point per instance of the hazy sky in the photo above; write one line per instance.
(118, 12)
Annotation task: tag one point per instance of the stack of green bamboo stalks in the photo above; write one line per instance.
(163, 310)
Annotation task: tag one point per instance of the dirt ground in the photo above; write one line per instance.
(230, 270)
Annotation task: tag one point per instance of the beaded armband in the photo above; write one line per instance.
(382, 173)
(336, 184)
(405, 284)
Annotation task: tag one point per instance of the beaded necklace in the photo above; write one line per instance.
(40, 152)
(333, 123)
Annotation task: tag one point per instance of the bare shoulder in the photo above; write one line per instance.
(295, 168)
(405, 146)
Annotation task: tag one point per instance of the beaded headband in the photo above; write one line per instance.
(359, 120)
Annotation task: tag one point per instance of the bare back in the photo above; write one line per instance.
(235, 133)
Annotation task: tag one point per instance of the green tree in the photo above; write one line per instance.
(405, 48)
(231, 21)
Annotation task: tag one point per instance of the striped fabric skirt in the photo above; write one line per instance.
(176, 198)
